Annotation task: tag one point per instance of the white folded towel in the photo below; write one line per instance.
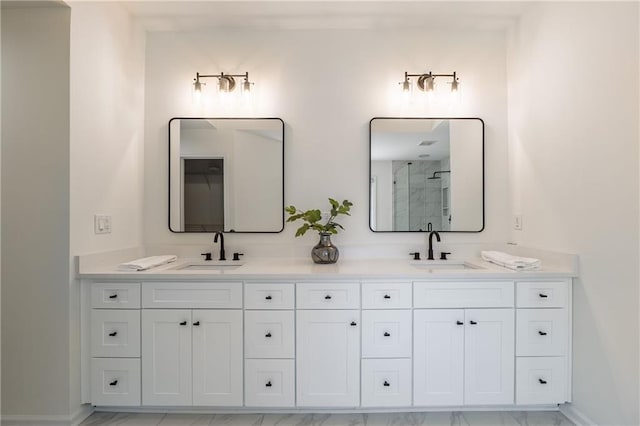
(146, 263)
(512, 262)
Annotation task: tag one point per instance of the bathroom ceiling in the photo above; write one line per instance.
(300, 14)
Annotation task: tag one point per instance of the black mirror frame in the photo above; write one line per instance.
(169, 172)
(428, 118)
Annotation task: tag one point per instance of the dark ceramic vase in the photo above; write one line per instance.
(325, 252)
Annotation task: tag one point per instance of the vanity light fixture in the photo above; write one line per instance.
(226, 82)
(426, 82)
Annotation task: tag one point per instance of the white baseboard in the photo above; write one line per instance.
(44, 420)
(576, 416)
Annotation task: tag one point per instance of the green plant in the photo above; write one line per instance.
(313, 217)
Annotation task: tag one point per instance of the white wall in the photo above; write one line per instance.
(383, 172)
(573, 134)
(326, 85)
(106, 141)
(35, 211)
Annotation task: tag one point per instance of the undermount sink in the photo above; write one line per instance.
(444, 265)
(208, 266)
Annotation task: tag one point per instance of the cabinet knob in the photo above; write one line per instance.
(113, 334)
(327, 297)
(197, 323)
(353, 323)
(268, 334)
(386, 334)
(113, 296)
(183, 323)
(542, 295)
(542, 333)
(459, 323)
(386, 384)
(542, 382)
(473, 322)
(268, 297)
(114, 383)
(386, 296)
(268, 384)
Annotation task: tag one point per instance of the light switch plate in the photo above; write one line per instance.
(102, 224)
(517, 222)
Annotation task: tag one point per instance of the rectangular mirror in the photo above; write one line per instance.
(226, 175)
(426, 174)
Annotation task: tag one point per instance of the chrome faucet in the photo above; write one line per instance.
(215, 240)
(430, 252)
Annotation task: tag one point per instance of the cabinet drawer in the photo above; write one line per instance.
(541, 332)
(386, 334)
(115, 333)
(541, 380)
(498, 294)
(115, 295)
(268, 296)
(550, 294)
(269, 383)
(386, 295)
(269, 334)
(343, 295)
(190, 295)
(115, 381)
(386, 382)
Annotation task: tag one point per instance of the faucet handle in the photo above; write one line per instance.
(443, 255)
(416, 255)
(236, 255)
(207, 256)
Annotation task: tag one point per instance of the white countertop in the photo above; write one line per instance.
(305, 269)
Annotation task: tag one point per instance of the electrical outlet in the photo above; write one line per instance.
(102, 224)
(325, 216)
(517, 222)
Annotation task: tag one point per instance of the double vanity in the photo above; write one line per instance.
(285, 334)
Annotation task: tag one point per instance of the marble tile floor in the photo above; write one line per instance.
(469, 418)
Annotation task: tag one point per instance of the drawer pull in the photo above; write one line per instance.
(183, 323)
(113, 296)
(459, 323)
(542, 382)
(268, 334)
(473, 322)
(542, 333)
(114, 383)
(268, 384)
(197, 323)
(353, 323)
(113, 334)
(386, 334)
(327, 297)
(386, 384)
(386, 296)
(268, 297)
(542, 295)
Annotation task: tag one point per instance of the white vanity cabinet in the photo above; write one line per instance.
(115, 343)
(192, 356)
(463, 356)
(269, 345)
(542, 342)
(328, 344)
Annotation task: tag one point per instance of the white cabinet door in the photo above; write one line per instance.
(217, 357)
(489, 356)
(166, 357)
(328, 358)
(438, 357)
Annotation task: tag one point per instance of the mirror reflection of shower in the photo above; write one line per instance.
(418, 198)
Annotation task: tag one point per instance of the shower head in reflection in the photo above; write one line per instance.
(439, 172)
